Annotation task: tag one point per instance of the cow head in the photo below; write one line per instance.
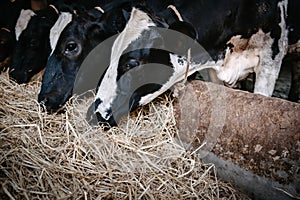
(142, 65)
(81, 34)
(32, 47)
(244, 56)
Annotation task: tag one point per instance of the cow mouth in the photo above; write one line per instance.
(51, 109)
(50, 104)
(20, 78)
(107, 124)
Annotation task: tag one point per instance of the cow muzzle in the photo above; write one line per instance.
(19, 76)
(52, 102)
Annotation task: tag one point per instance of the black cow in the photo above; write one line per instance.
(241, 36)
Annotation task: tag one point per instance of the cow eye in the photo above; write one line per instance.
(71, 48)
(131, 64)
(230, 46)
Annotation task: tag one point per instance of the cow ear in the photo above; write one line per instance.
(183, 41)
(185, 28)
(95, 13)
(126, 14)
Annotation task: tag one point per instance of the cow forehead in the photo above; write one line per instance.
(107, 91)
(138, 22)
(63, 20)
(23, 21)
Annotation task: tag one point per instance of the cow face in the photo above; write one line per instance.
(142, 65)
(74, 43)
(32, 47)
(67, 49)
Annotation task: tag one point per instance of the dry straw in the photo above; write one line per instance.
(60, 156)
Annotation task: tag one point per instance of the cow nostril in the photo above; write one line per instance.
(50, 103)
(19, 77)
(106, 124)
(43, 102)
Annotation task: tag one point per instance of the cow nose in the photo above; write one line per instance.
(106, 123)
(49, 103)
(19, 77)
(43, 101)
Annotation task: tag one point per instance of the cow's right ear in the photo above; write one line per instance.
(126, 14)
(185, 28)
(183, 41)
(96, 13)
(114, 21)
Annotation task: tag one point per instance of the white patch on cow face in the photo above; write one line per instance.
(23, 21)
(107, 91)
(179, 75)
(63, 20)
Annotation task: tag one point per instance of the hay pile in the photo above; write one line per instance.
(60, 156)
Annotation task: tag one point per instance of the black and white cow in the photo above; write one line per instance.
(254, 52)
(239, 35)
(78, 35)
(32, 48)
(32, 43)
(9, 13)
(72, 47)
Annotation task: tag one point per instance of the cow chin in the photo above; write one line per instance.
(53, 102)
(23, 70)
(106, 123)
(94, 119)
(22, 76)
(19, 77)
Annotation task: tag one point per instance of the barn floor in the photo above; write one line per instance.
(60, 156)
(45, 156)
